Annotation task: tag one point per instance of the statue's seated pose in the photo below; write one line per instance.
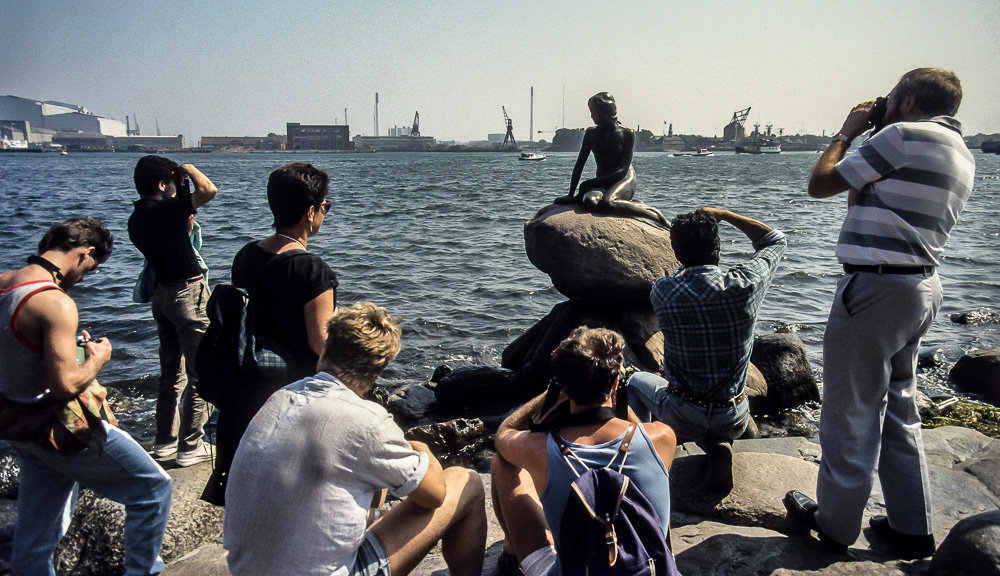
(612, 189)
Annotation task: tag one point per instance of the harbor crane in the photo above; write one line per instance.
(415, 131)
(509, 137)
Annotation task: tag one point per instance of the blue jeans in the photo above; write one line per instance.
(49, 483)
(649, 398)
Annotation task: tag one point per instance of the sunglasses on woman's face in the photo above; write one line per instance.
(325, 206)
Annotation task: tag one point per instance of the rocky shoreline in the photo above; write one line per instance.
(744, 532)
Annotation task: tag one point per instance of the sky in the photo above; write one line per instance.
(230, 68)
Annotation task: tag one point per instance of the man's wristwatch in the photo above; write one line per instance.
(842, 137)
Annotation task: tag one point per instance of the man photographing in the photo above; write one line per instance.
(907, 185)
(160, 227)
(42, 374)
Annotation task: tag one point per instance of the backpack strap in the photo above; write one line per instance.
(624, 446)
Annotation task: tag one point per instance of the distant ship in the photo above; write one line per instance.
(990, 146)
(759, 143)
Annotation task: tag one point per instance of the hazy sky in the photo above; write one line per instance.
(231, 68)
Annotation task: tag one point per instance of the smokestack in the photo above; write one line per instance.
(531, 118)
(376, 113)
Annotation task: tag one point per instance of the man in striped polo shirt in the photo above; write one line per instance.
(906, 186)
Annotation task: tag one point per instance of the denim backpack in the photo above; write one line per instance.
(232, 360)
(609, 527)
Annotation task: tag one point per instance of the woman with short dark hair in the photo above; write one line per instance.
(294, 294)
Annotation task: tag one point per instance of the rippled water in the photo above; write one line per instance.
(437, 238)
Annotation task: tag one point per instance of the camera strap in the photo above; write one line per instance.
(602, 414)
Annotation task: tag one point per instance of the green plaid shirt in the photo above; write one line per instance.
(707, 317)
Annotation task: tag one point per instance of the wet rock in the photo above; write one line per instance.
(930, 359)
(9, 471)
(783, 361)
(455, 442)
(976, 317)
(972, 547)
(979, 372)
(440, 372)
(412, 401)
(479, 390)
(598, 256)
(530, 353)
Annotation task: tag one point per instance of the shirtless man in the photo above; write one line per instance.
(38, 357)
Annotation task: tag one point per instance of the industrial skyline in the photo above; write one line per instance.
(242, 68)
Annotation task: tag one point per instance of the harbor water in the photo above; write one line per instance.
(438, 239)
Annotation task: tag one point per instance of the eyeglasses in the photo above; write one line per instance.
(325, 206)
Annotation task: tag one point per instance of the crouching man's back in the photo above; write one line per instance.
(317, 456)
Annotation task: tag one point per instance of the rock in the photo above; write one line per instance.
(756, 387)
(207, 561)
(972, 548)
(976, 317)
(598, 256)
(530, 353)
(979, 372)
(930, 359)
(761, 481)
(440, 372)
(412, 401)
(927, 408)
(783, 361)
(456, 442)
(478, 390)
(94, 543)
(9, 471)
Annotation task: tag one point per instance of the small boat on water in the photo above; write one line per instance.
(703, 152)
(533, 155)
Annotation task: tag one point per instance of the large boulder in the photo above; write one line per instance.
(530, 353)
(782, 359)
(598, 256)
(972, 547)
(979, 372)
(760, 482)
(477, 390)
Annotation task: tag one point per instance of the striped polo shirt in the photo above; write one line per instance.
(913, 180)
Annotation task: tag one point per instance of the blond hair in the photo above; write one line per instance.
(362, 339)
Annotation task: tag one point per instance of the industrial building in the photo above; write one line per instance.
(27, 124)
(393, 142)
(318, 137)
(270, 142)
(58, 116)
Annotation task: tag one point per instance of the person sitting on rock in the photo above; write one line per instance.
(613, 188)
(707, 316)
(532, 482)
(317, 453)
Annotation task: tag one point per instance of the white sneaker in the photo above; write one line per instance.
(165, 450)
(200, 454)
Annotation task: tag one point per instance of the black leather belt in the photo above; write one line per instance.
(884, 269)
(704, 404)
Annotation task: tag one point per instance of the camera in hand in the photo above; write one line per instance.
(561, 416)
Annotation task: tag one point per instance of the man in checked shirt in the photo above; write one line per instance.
(707, 315)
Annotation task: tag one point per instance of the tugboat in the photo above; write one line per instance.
(760, 143)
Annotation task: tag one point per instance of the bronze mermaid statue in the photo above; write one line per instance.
(611, 191)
